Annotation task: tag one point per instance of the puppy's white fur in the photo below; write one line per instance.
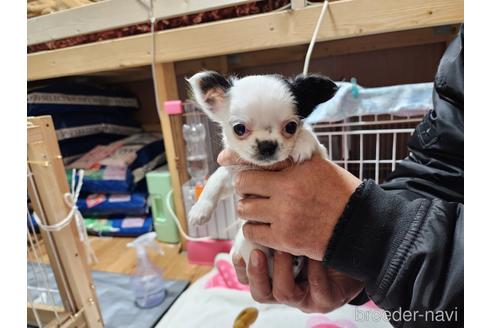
(264, 104)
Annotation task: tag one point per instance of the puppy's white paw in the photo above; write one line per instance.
(300, 154)
(322, 151)
(306, 145)
(200, 213)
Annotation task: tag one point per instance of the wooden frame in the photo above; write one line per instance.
(65, 251)
(344, 19)
(173, 138)
(112, 14)
(268, 34)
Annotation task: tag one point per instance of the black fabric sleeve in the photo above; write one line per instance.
(404, 239)
(409, 253)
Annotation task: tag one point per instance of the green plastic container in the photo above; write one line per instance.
(159, 185)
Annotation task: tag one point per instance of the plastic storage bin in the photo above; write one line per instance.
(159, 185)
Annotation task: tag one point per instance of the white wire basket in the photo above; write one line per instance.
(368, 146)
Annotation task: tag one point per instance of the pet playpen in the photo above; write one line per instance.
(63, 293)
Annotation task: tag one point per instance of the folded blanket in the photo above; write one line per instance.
(120, 166)
(354, 100)
(125, 226)
(113, 204)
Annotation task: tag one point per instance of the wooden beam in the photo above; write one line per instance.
(190, 67)
(173, 138)
(237, 62)
(47, 195)
(344, 46)
(344, 19)
(111, 14)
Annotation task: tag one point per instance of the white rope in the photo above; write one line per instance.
(152, 20)
(313, 39)
(50, 241)
(70, 200)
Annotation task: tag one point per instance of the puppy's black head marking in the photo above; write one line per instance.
(214, 80)
(310, 91)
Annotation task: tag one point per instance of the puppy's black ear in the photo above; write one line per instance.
(210, 92)
(310, 91)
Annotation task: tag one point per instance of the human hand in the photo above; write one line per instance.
(318, 289)
(296, 206)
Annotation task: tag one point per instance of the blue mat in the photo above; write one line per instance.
(115, 297)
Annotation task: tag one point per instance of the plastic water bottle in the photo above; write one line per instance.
(196, 150)
(147, 283)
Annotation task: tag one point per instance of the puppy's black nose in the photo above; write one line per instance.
(267, 148)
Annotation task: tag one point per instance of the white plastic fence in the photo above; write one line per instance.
(368, 146)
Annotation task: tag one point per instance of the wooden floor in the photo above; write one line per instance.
(114, 256)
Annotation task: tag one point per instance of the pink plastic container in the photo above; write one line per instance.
(173, 107)
(204, 252)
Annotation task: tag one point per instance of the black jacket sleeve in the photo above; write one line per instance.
(404, 239)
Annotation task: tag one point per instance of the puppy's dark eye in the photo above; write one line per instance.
(239, 129)
(290, 128)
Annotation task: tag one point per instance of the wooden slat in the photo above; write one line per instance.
(344, 19)
(46, 313)
(74, 321)
(51, 185)
(173, 138)
(238, 62)
(112, 14)
(342, 47)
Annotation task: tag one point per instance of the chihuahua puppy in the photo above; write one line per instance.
(261, 120)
